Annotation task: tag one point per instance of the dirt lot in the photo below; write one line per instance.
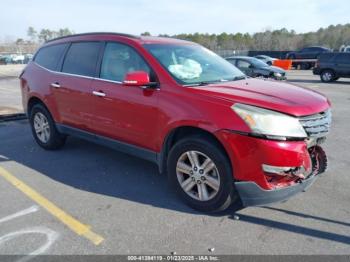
(133, 210)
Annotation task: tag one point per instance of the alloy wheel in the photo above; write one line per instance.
(41, 127)
(327, 76)
(198, 175)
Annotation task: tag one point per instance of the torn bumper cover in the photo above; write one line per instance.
(252, 194)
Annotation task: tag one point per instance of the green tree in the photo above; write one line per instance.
(32, 33)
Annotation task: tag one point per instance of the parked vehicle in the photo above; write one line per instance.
(18, 59)
(311, 52)
(219, 135)
(5, 59)
(27, 58)
(344, 48)
(254, 67)
(331, 66)
(267, 59)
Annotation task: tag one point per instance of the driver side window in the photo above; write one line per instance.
(120, 59)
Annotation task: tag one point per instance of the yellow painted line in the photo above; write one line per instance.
(76, 226)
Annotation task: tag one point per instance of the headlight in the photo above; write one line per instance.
(269, 123)
(277, 74)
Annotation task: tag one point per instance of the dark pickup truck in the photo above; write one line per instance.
(311, 52)
(331, 66)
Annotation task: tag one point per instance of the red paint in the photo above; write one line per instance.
(145, 117)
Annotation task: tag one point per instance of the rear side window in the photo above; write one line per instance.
(243, 64)
(343, 58)
(49, 56)
(81, 58)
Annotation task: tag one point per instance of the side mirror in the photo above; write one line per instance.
(138, 78)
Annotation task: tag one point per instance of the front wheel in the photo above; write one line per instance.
(201, 174)
(327, 76)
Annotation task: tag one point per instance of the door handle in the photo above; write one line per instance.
(98, 93)
(55, 85)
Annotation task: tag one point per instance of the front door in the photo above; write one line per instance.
(125, 113)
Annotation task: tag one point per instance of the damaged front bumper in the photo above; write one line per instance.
(252, 194)
(267, 171)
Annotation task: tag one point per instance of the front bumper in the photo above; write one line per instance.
(282, 77)
(253, 195)
(249, 155)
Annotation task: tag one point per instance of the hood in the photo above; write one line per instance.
(275, 95)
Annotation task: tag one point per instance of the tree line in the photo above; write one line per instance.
(270, 40)
(333, 37)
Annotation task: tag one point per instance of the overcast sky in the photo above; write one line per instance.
(170, 17)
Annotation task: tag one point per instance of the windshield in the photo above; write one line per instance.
(193, 64)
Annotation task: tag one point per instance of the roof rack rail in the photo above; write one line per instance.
(93, 33)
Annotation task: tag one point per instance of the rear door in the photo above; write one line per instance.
(125, 113)
(72, 88)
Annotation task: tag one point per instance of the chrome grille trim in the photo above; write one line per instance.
(317, 125)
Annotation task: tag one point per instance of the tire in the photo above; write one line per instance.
(305, 66)
(327, 76)
(44, 129)
(216, 199)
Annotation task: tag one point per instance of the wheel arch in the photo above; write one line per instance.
(328, 69)
(33, 101)
(180, 132)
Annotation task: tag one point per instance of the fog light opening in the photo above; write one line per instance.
(288, 172)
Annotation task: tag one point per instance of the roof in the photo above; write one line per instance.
(141, 39)
(240, 57)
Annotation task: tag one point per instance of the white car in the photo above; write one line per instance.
(344, 48)
(18, 59)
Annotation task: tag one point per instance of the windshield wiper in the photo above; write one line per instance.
(205, 83)
(237, 78)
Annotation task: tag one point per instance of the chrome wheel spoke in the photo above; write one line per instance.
(202, 192)
(188, 184)
(183, 168)
(193, 158)
(212, 182)
(210, 166)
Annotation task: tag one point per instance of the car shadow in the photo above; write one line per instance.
(293, 213)
(98, 169)
(294, 228)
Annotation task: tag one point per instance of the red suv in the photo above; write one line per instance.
(219, 135)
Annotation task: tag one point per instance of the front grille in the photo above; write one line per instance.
(317, 125)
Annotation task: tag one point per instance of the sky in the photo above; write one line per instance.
(170, 17)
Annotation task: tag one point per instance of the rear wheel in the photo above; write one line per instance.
(201, 174)
(44, 129)
(327, 76)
